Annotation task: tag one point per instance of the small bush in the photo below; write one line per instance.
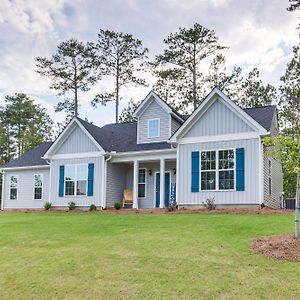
(47, 205)
(71, 205)
(210, 203)
(92, 207)
(117, 205)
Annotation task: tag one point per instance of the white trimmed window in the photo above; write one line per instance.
(13, 187)
(38, 187)
(142, 183)
(76, 177)
(217, 170)
(153, 128)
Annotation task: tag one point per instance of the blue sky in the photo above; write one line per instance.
(260, 33)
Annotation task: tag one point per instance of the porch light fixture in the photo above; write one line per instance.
(150, 172)
(174, 171)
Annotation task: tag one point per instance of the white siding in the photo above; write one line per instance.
(218, 119)
(26, 189)
(249, 196)
(153, 111)
(77, 142)
(79, 200)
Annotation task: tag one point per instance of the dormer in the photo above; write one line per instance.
(156, 120)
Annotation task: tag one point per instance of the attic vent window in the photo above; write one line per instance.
(153, 128)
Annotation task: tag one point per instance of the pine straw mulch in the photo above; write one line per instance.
(282, 247)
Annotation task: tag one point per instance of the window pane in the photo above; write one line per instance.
(82, 172)
(142, 175)
(208, 180)
(13, 194)
(141, 190)
(69, 188)
(153, 130)
(208, 160)
(226, 159)
(226, 180)
(81, 187)
(38, 193)
(13, 181)
(38, 181)
(70, 172)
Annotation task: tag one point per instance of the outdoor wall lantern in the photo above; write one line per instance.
(150, 172)
(174, 171)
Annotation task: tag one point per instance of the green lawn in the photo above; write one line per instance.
(118, 256)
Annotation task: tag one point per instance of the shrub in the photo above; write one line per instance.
(71, 205)
(47, 205)
(92, 207)
(117, 205)
(210, 203)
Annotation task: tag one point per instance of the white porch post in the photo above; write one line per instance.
(135, 183)
(162, 183)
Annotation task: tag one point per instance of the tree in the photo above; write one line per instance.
(254, 93)
(290, 95)
(185, 53)
(26, 124)
(294, 4)
(121, 58)
(72, 69)
(127, 112)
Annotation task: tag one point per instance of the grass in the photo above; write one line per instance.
(119, 256)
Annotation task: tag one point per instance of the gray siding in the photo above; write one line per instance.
(149, 200)
(153, 111)
(77, 142)
(26, 189)
(218, 119)
(174, 125)
(79, 200)
(249, 196)
(115, 183)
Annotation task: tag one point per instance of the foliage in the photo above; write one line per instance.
(182, 60)
(47, 205)
(294, 4)
(127, 112)
(72, 69)
(287, 150)
(120, 57)
(117, 205)
(210, 203)
(92, 207)
(71, 205)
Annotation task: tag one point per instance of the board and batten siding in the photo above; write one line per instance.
(153, 111)
(115, 183)
(248, 197)
(25, 198)
(149, 200)
(79, 200)
(217, 120)
(77, 142)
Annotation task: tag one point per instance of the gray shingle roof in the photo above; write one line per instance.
(31, 158)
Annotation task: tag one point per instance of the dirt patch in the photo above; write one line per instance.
(284, 247)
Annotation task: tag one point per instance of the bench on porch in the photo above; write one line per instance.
(128, 197)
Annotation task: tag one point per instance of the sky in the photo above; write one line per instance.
(259, 33)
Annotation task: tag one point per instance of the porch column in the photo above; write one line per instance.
(162, 183)
(135, 183)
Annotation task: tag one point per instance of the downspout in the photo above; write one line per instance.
(107, 157)
(2, 194)
(50, 179)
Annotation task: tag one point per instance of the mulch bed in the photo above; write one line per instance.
(282, 247)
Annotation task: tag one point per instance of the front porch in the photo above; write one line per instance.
(142, 176)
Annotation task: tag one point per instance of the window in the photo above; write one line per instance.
(142, 183)
(76, 180)
(226, 169)
(153, 128)
(208, 170)
(13, 185)
(270, 176)
(217, 170)
(38, 187)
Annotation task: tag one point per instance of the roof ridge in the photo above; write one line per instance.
(263, 106)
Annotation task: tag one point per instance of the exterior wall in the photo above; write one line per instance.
(149, 200)
(77, 142)
(153, 111)
(218, 119)
(251, 194)
(79, 200)
(115, 183)
(26, 189)
(174, 125)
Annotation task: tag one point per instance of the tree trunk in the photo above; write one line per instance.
(117, 92)
(194, 80)
(75, 90)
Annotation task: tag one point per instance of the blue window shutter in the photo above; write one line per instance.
(61, 181)
(90, 191)
(195, 171)
(240, 169)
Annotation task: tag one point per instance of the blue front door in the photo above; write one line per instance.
(167, 189)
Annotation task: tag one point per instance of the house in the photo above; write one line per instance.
(216, 152)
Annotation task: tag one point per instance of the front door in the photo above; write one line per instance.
(167, 189)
